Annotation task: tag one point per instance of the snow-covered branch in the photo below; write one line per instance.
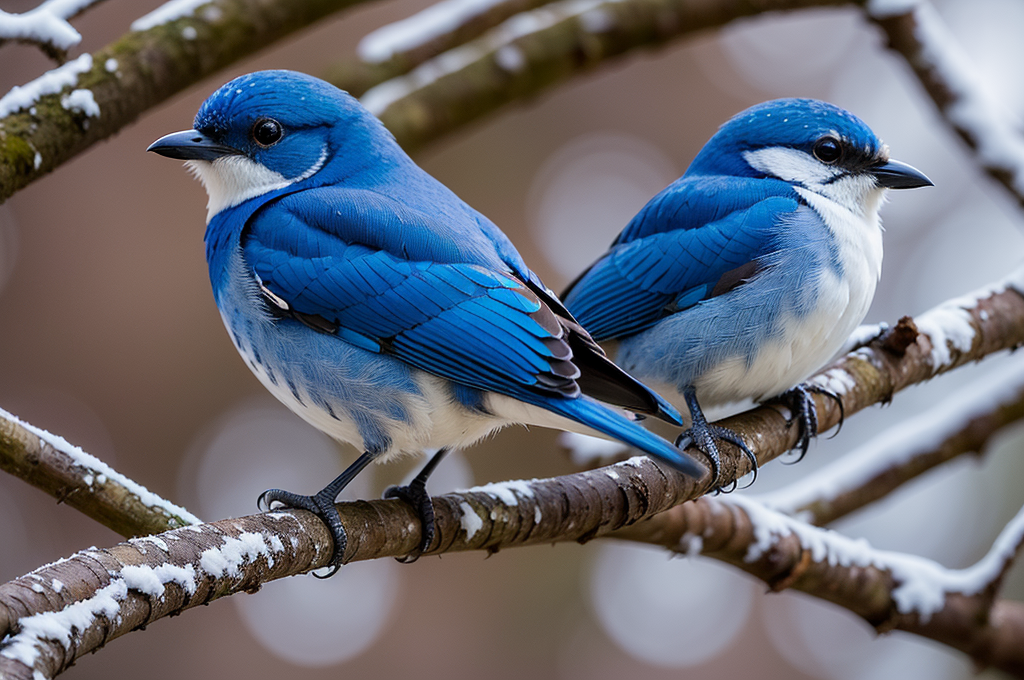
(57, 613)
(397, 48)
(83, 482)
(917, 32)
(46, 26)
(50, 120)
(887, 589)
(537, 49)
(962, 423)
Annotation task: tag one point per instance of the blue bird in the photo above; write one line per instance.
(375, 303)
(747, 274)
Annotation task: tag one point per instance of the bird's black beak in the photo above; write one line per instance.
(896, 175)
(191, 145)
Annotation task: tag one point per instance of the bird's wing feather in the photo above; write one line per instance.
(489, 329)
(640, 281)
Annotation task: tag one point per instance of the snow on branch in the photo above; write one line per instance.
(68, 110)
(83, 482)
(396, 48)
(534, 50)
(917, 32)
(888, 589)
(46, 26)
(963, 423)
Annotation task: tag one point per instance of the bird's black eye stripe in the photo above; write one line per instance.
(828, 150)
(267, 132)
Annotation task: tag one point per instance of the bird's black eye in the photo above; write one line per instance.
(828, 150)
(267, 132)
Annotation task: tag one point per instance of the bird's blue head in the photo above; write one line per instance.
(270, 129)
(810, 144)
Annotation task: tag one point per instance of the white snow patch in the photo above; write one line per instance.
(612, 473)
(37, 160)
(379, 98)
(110, 65)
(471, 522)
(46, 24)
(24, 96)
(247, 547)
(835, 380)
(431, 23)
(189, 33)
(504, 491)
(61, 626)
(94, 465)
(57, 585)
(167, 12)
(155, 540)
(921, 584)
(537, 515)
(901, 443)
(510, 58)
(861, 336)
(151, 580)
(947, 327)
(691, 545)
(81, 100)
(37, 588)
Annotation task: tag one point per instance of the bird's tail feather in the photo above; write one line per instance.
(603, 419)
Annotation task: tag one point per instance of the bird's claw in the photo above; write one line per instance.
(703, 436)
(321, 506)
(805, 412)
(416, 495)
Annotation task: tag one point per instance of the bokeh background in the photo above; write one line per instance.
(109, 336)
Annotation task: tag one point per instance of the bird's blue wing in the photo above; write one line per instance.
(642, 280)
(461, 320)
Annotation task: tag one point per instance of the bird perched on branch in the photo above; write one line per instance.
(748, 273)
(374, 302)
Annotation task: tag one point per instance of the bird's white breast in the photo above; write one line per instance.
(810, 340)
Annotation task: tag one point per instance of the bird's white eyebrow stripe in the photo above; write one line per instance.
(791, 165)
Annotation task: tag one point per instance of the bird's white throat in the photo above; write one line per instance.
(232, 179)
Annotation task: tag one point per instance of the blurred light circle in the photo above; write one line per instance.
(8, 244)
(314, 623)
(790, 53)
(647, 603)
(587, 191)
(828, 642)
(257, 445)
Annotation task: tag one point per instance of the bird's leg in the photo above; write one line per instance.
(703, 435)
(322, 505)
(415, 494)
(805, 412)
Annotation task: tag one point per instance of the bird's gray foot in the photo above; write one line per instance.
(801, 403)
(321, 504)
(415, 494)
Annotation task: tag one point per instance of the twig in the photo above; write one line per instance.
(83, 482)
(917, 32)
(397, 48)
(164, 53)
(46, 26)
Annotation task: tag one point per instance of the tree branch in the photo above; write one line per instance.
(889, 590)
(165, 52)
(46, 26)
(954, 84)
(397, 48)
(537, 49)
(575, 507)
(83, 482)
